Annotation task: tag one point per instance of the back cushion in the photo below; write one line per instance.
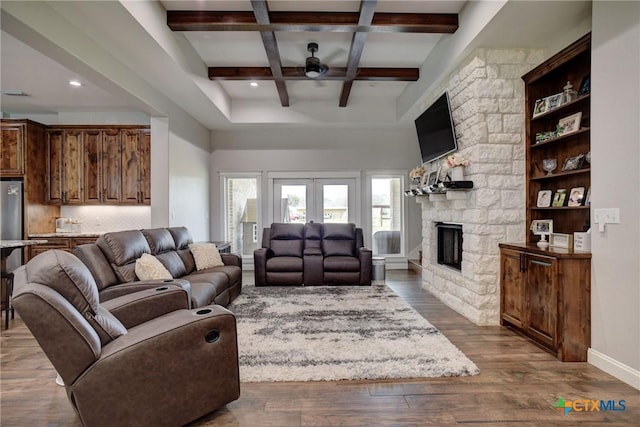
(163, 246)
(287, 239)
(182, 239)
(339, 239)
(122, 249)
(67, 275)
(91, 255)
(313, 235)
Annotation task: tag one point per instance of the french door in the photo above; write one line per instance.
(328, 200)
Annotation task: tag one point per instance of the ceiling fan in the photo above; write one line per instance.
(313, 68)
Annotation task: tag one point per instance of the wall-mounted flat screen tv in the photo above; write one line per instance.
(436, 134)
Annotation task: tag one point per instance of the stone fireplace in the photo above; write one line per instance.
(487, 102)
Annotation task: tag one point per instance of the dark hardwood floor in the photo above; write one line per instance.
(519, 384)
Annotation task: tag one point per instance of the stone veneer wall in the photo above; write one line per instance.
(487, 101)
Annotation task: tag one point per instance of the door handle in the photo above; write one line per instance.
(542, 263)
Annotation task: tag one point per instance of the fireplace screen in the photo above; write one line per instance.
(450, 245)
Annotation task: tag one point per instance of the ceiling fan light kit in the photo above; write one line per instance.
(313, 68)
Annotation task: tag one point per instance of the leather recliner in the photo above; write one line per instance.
(312, 254)
(140, 359)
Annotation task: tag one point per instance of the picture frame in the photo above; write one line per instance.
(540, 107)
(573, 163)
(544, 199)
(587, 200)
(554, 101)
(585, 86)
(559, 197)
(576, 196)
(433, 178)
(424, 180)
(542, 227)
(560, 240)
(569, 124)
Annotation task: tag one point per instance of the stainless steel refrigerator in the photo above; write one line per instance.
(11, 205)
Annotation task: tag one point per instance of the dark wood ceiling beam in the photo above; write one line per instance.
(297, 73)
(441, 23)
(261, 13)
(367, 8)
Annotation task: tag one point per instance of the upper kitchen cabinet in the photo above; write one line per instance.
(65, 162)
(98, 165)
(135, 166)
(12, 149)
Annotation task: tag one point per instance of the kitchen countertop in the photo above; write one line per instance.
(50, 235)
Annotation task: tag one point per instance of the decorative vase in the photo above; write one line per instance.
(457, 173)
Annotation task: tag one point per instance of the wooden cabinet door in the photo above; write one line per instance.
(73, 171)
(54, 167)
(145, 166)
(111, 166)
(12, 150)
(512, 285)
(52, 243)
(542, 298)
(130, 166)
(92, 167)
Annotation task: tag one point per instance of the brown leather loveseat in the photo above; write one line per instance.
(112, 259)
(312, 254)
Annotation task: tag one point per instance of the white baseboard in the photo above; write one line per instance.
(612, 367)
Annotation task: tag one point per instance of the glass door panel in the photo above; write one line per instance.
(294, 203)
(386, 215)
(335, 203)
(317, 200)
(241, 214)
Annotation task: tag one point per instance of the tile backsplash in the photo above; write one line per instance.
(102, 219)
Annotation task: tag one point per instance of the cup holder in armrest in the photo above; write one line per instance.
(162, 288)
(168, 280)
(212, 336)
(204, 311)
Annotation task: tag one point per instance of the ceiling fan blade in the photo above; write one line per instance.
(333, 55)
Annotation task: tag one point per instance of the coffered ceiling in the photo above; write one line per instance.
(132, 60)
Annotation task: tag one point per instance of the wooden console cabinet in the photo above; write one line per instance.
(546, 296)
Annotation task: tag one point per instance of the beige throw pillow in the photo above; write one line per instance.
(206, 255)
(149, 267)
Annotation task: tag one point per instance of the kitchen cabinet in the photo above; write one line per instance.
(545, 295)
(65, 173)
(98, 165)
(67, 244)
(12, 149)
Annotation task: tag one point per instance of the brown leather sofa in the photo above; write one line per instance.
(142, 359)
(312, 254)
(111, 260)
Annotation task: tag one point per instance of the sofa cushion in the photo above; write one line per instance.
(312, 237)
(122, 249)
(287, 239)
(91, 256)
(159, 240)
(341, 263)
(339, 240)
(149, 267)
(206, 255)
(284, 263)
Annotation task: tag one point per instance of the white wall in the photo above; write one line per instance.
(615, 178)
(275, 148)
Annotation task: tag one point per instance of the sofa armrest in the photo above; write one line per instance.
(194, 353)
(366, 257)
(116, 291)
(231, 259)
(260, 257)
(139, 307)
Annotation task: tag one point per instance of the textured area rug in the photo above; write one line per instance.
(338, 333)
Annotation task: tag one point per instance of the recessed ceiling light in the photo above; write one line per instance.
(253, 84)
(75, 83)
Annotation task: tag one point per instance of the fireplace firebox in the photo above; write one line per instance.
(450, 245)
